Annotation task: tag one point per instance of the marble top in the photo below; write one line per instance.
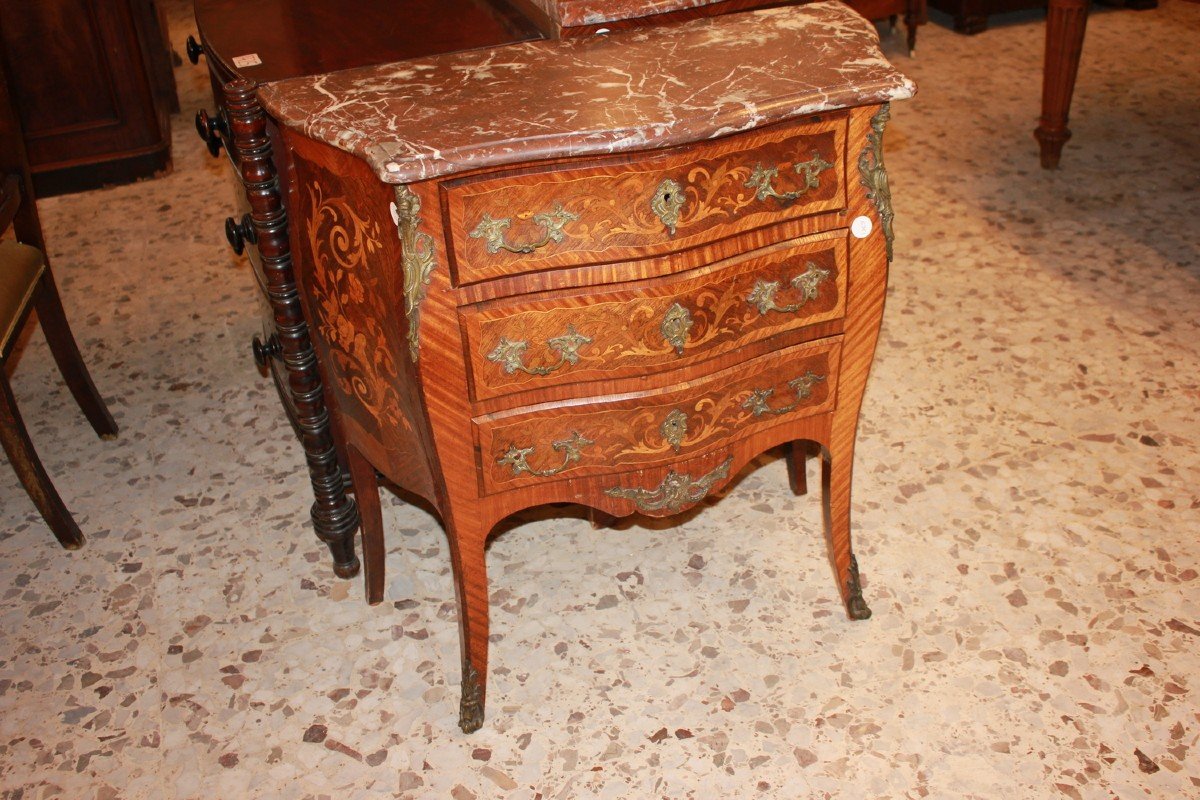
(568, 13)
(632, 90)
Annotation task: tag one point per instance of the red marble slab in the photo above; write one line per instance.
(428, 117)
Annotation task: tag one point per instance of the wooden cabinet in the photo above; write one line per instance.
(615, 309)
(94, 89)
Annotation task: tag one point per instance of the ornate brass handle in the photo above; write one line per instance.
(517, 457)
(761, 178)
(511, 355)
(762, 296)
(803, 386)
(675, 491)
(492, 230)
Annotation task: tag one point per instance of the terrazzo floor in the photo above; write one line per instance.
(1027, 514)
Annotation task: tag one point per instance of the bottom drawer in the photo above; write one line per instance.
(591, 437)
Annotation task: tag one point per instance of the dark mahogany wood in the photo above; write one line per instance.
(1066, 22)
(334, 514)
(94, 88)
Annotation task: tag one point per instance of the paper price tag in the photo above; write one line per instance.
(249, 60)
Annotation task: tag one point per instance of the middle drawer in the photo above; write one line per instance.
(517, 344)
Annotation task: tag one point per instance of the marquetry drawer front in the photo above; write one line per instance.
(645, 327)
(545, 443)
(516, 222)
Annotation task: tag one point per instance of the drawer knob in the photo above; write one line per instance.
(510, 355)
(676, 491)
(211, 131)
(264, 351)
(194, 50)
(676, 325)
(803, 386)
(238, 234)
(517, 457)
(492, 231)
(667, 203)
(762, 177)
(808, 283)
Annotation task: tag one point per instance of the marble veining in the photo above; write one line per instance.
(428, 117)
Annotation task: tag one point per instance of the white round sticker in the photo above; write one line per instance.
(861, 227)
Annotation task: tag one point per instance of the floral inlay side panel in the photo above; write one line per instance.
(348, 303)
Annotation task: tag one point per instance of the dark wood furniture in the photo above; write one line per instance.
(619, 310)
(26, 283)
(93, 84)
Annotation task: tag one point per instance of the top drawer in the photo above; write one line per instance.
(631, 207)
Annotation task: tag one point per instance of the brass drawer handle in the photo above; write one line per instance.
(675, 491)
(492, 230)
(761, 178)
(803, 386)
(667, 203)
(676, 325)
(517, 457)
(510, 355)
(808, 283)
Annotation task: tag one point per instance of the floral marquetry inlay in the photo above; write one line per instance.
(347, 301)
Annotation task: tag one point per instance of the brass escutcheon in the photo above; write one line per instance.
(676, 325)
(668, 202)
(674, 428)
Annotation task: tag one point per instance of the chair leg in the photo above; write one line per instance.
(70, 363)
(30, 472)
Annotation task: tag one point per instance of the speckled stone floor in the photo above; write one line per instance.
(1027, 514)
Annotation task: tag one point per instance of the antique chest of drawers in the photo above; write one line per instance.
(608, 271)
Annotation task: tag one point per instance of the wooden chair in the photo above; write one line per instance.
(26, 284)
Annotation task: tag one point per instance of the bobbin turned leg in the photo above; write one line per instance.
(334, 513)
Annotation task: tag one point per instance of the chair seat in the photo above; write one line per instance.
(21, 266)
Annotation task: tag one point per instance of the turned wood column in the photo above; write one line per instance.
(1066, 21)
(334, 514)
